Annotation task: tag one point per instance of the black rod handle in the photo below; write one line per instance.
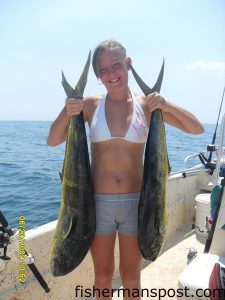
(38, 276)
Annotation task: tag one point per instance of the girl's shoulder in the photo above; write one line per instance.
(91, 100)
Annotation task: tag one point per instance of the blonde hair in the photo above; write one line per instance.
(104, 46)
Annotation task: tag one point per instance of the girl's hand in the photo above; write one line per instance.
(154, 101)
(73, 106)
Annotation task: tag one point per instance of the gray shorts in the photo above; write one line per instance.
(117, 212)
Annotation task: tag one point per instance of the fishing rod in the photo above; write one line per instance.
(211, 147)
(6, 233)
(214, 135)
(218, 190)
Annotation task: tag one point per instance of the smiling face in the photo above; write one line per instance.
(112, 69)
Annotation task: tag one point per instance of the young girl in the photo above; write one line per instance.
(119, 123)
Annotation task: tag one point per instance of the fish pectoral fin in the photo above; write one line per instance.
(61, 176)
(70, 222)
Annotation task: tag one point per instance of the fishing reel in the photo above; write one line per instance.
(207, 162)
(4, 241)
(7, 235)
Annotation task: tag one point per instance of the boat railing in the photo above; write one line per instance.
(216, 165)
(196, 170)
(189, 171)
(189, 157)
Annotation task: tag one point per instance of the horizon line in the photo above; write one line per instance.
(85, 122)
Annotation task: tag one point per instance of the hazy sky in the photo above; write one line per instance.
(40, 38)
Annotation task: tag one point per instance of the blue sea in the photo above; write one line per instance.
(29, 169)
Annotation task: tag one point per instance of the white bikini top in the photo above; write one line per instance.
(137, 131)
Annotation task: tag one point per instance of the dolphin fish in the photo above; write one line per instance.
(152, 205)
(76, 222)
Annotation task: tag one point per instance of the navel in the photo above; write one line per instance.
(118, 179)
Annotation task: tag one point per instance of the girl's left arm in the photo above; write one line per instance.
(175, 115)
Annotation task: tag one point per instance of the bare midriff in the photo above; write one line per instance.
(117, 166)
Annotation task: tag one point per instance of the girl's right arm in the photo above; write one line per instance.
(59, 128)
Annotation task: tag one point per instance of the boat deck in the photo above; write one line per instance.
(164, 272)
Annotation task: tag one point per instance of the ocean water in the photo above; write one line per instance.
(29, 169)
